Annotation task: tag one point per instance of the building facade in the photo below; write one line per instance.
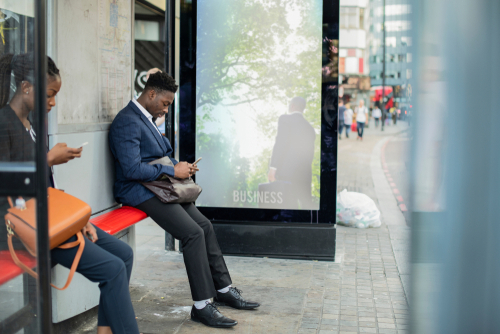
(398, 46)
(353, 50)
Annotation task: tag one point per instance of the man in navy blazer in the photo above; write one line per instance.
(135, 141)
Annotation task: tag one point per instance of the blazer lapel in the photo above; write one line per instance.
(150, 126)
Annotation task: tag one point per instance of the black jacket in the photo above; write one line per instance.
(16, 145)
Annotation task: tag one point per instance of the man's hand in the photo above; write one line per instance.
(182, 170)
(90, 232)
(194, 169)
(271, 175)
(61, 154)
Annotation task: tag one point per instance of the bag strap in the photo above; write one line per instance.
(80, 242)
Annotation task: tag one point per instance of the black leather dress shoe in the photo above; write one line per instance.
(210, 316)
(234, 299)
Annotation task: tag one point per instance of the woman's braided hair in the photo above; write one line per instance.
(23, 67)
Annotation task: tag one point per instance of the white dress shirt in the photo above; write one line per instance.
(147, 114)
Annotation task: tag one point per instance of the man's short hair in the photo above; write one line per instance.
(160, 82)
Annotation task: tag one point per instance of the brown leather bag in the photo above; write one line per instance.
(67, 216)
(170, 189)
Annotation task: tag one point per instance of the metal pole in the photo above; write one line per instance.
(169, 63)
(169, 68)
(43, 252)
(384, 116)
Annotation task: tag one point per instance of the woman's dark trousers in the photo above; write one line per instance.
(108, 262)
(205, 265)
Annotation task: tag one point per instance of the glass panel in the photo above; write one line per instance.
(147, 30)
(18, 298)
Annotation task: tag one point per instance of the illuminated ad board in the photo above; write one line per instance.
(253, 82)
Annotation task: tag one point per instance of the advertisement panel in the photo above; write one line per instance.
(258, 103)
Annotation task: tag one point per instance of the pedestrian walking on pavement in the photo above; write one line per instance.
(394, 115)
(361, 117)
(377, 114)
(341, 117)
(348, 113)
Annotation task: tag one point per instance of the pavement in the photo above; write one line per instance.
(363, 291)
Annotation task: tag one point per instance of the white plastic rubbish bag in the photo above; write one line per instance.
(357, 210)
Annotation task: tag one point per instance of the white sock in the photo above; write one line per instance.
(201, 304)
(226, 289)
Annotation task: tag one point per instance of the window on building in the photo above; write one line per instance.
(342, 18)
(408, 57)
(408, 74)
(349, 18)
(391, 10)
(147, 30)
(361, 18)
(390, 42)
(405, 41)
(374, 75)
(397, 25)
(401, 58)
(351, 65)
(397, 10)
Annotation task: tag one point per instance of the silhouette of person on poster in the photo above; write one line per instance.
(292, 157)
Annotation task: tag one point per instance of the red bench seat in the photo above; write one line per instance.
(119, 219)
(111, 222)
(8, 269)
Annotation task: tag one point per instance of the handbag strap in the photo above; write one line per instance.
(80, 242)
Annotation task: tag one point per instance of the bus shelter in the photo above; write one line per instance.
(104, 49)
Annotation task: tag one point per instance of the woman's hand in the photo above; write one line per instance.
(90, 232)
(61, 154)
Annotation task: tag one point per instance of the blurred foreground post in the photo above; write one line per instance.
(456, 167)
(169, 68)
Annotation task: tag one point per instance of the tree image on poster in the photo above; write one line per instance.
(258, 103)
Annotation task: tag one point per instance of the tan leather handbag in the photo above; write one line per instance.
(67, 216)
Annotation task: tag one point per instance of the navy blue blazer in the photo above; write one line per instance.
(134, 142)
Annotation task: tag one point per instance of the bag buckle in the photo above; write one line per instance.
(9, 228)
